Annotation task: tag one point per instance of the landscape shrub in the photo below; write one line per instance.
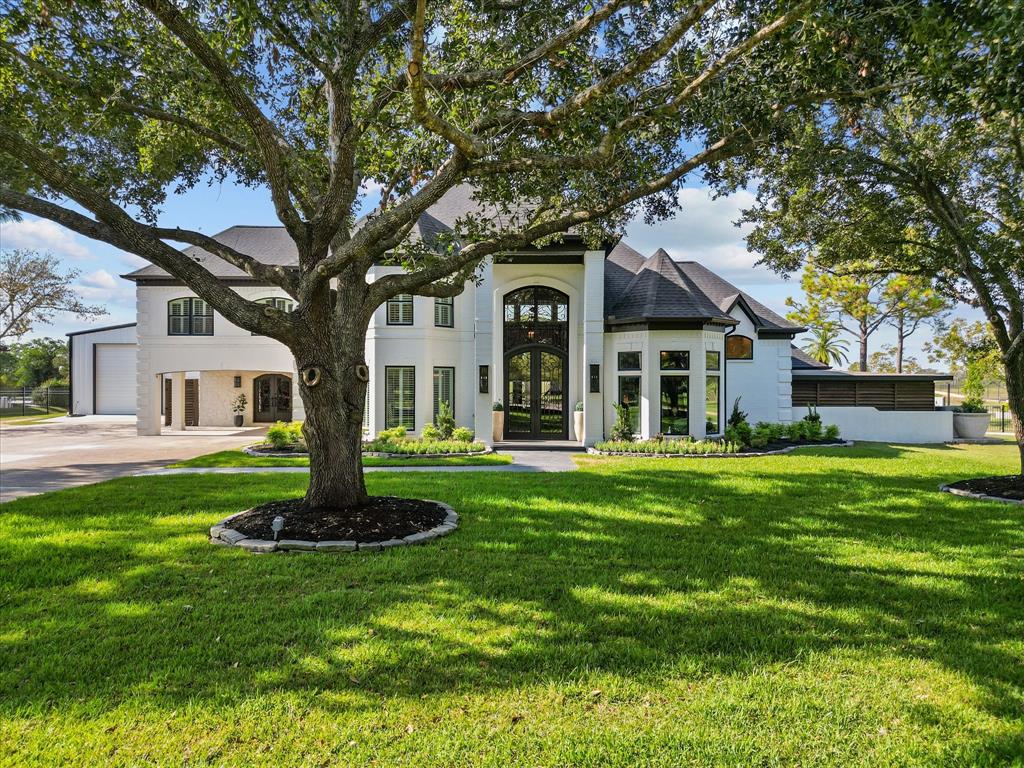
(462, 435)
(445, 420)
(741, 433)
(430, 432)
(812, 429)
(417, 447)
(622, 429)
(671, 447)
(394, 434)
(972, 405)
(737, 416)
(283, 435)
(832, 432)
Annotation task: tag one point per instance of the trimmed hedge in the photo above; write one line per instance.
(669, 447)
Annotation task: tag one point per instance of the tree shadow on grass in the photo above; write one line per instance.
(632, 569)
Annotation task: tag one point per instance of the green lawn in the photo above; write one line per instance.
(822, 608)
(13, 417)
(242, 459)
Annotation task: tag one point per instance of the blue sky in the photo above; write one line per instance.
(702, 230)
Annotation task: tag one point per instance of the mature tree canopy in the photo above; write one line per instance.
(560, 114)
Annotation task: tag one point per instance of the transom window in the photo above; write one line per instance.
(189, 317)
(739, 347)
(400, 397)
(629, 361)
(444, 313)
(675, 360)
(400, 309)
(536, 315)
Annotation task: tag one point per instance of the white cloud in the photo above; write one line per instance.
(42, 235)
(101, 287)
(704, 230)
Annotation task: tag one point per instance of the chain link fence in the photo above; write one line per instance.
(34, 401)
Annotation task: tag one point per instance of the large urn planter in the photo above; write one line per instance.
(577, 425)
(239, 419)
(497, 426)
(971, 426)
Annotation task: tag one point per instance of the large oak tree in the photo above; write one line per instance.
(560, 114)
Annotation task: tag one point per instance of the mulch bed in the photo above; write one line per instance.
(1002, 487)
(381, 518)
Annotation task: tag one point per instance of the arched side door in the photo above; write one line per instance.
(272, 398)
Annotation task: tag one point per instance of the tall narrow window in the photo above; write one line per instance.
(444, 389)
(712, 393)
(444, 313)
(189, 317)
(400, 310)
(675, 405)
(629, 396)
(400, 397)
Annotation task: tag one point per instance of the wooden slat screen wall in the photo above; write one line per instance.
(191, 402)
(883, 395)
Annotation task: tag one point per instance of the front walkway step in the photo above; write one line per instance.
(570, 446)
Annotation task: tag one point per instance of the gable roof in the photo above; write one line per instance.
(804, 362)
(726, 295)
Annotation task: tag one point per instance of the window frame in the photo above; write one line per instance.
(448, 302)
(190, 316)
(389, 399)
(718, 404)
(738, 336)
(634, 414)
(686, 360)
(670, 374)
(400, 301)
(639, 359)
(436, 389)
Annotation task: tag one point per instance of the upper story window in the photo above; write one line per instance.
(189, 317)
(739, 347)
(444, 313)
(277, 302)
(400, 309)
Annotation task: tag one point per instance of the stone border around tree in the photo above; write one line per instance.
(223, 535)
(744, 455)
(251, 451)
(978, 496)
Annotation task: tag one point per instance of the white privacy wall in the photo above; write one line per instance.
(864, 423)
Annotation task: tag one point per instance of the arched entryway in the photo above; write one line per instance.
(536, 346)
(272, 398)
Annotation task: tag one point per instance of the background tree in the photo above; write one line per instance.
(885, 360)
(911, 301)
(34, 288)
(970, 352)
(826, 345)
(927, 180)
(849, 302)
(40, 362)
(561, 115)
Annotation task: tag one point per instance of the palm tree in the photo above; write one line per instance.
(826, 346)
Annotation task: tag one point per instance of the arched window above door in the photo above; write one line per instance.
(536, 314)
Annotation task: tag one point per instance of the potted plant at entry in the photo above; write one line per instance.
(970, 419)
(577, 421)
(497, 422)
(238, 406)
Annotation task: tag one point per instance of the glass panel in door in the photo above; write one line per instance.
(552, 395)
(284, 399)
(519, 395)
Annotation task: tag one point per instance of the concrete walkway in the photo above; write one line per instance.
(522, 461)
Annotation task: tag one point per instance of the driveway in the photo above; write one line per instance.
(64, 452)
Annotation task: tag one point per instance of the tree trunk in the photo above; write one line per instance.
(1014, 368)
(332, 382)
(863, 345)
(334, 432)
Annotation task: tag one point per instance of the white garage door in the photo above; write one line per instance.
(115, 378)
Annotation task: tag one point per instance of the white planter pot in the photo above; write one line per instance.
(577, 425)
(970, 425)
(497, 426)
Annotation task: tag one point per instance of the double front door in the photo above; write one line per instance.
(535, 397)
(272, 398)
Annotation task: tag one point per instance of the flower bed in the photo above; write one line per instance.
(662, 447)
(287, 440)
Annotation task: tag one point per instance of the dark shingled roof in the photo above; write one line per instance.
(803, 362)
(725, 295)
(660, 291)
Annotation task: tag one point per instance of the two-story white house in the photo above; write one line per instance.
(542, 330)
